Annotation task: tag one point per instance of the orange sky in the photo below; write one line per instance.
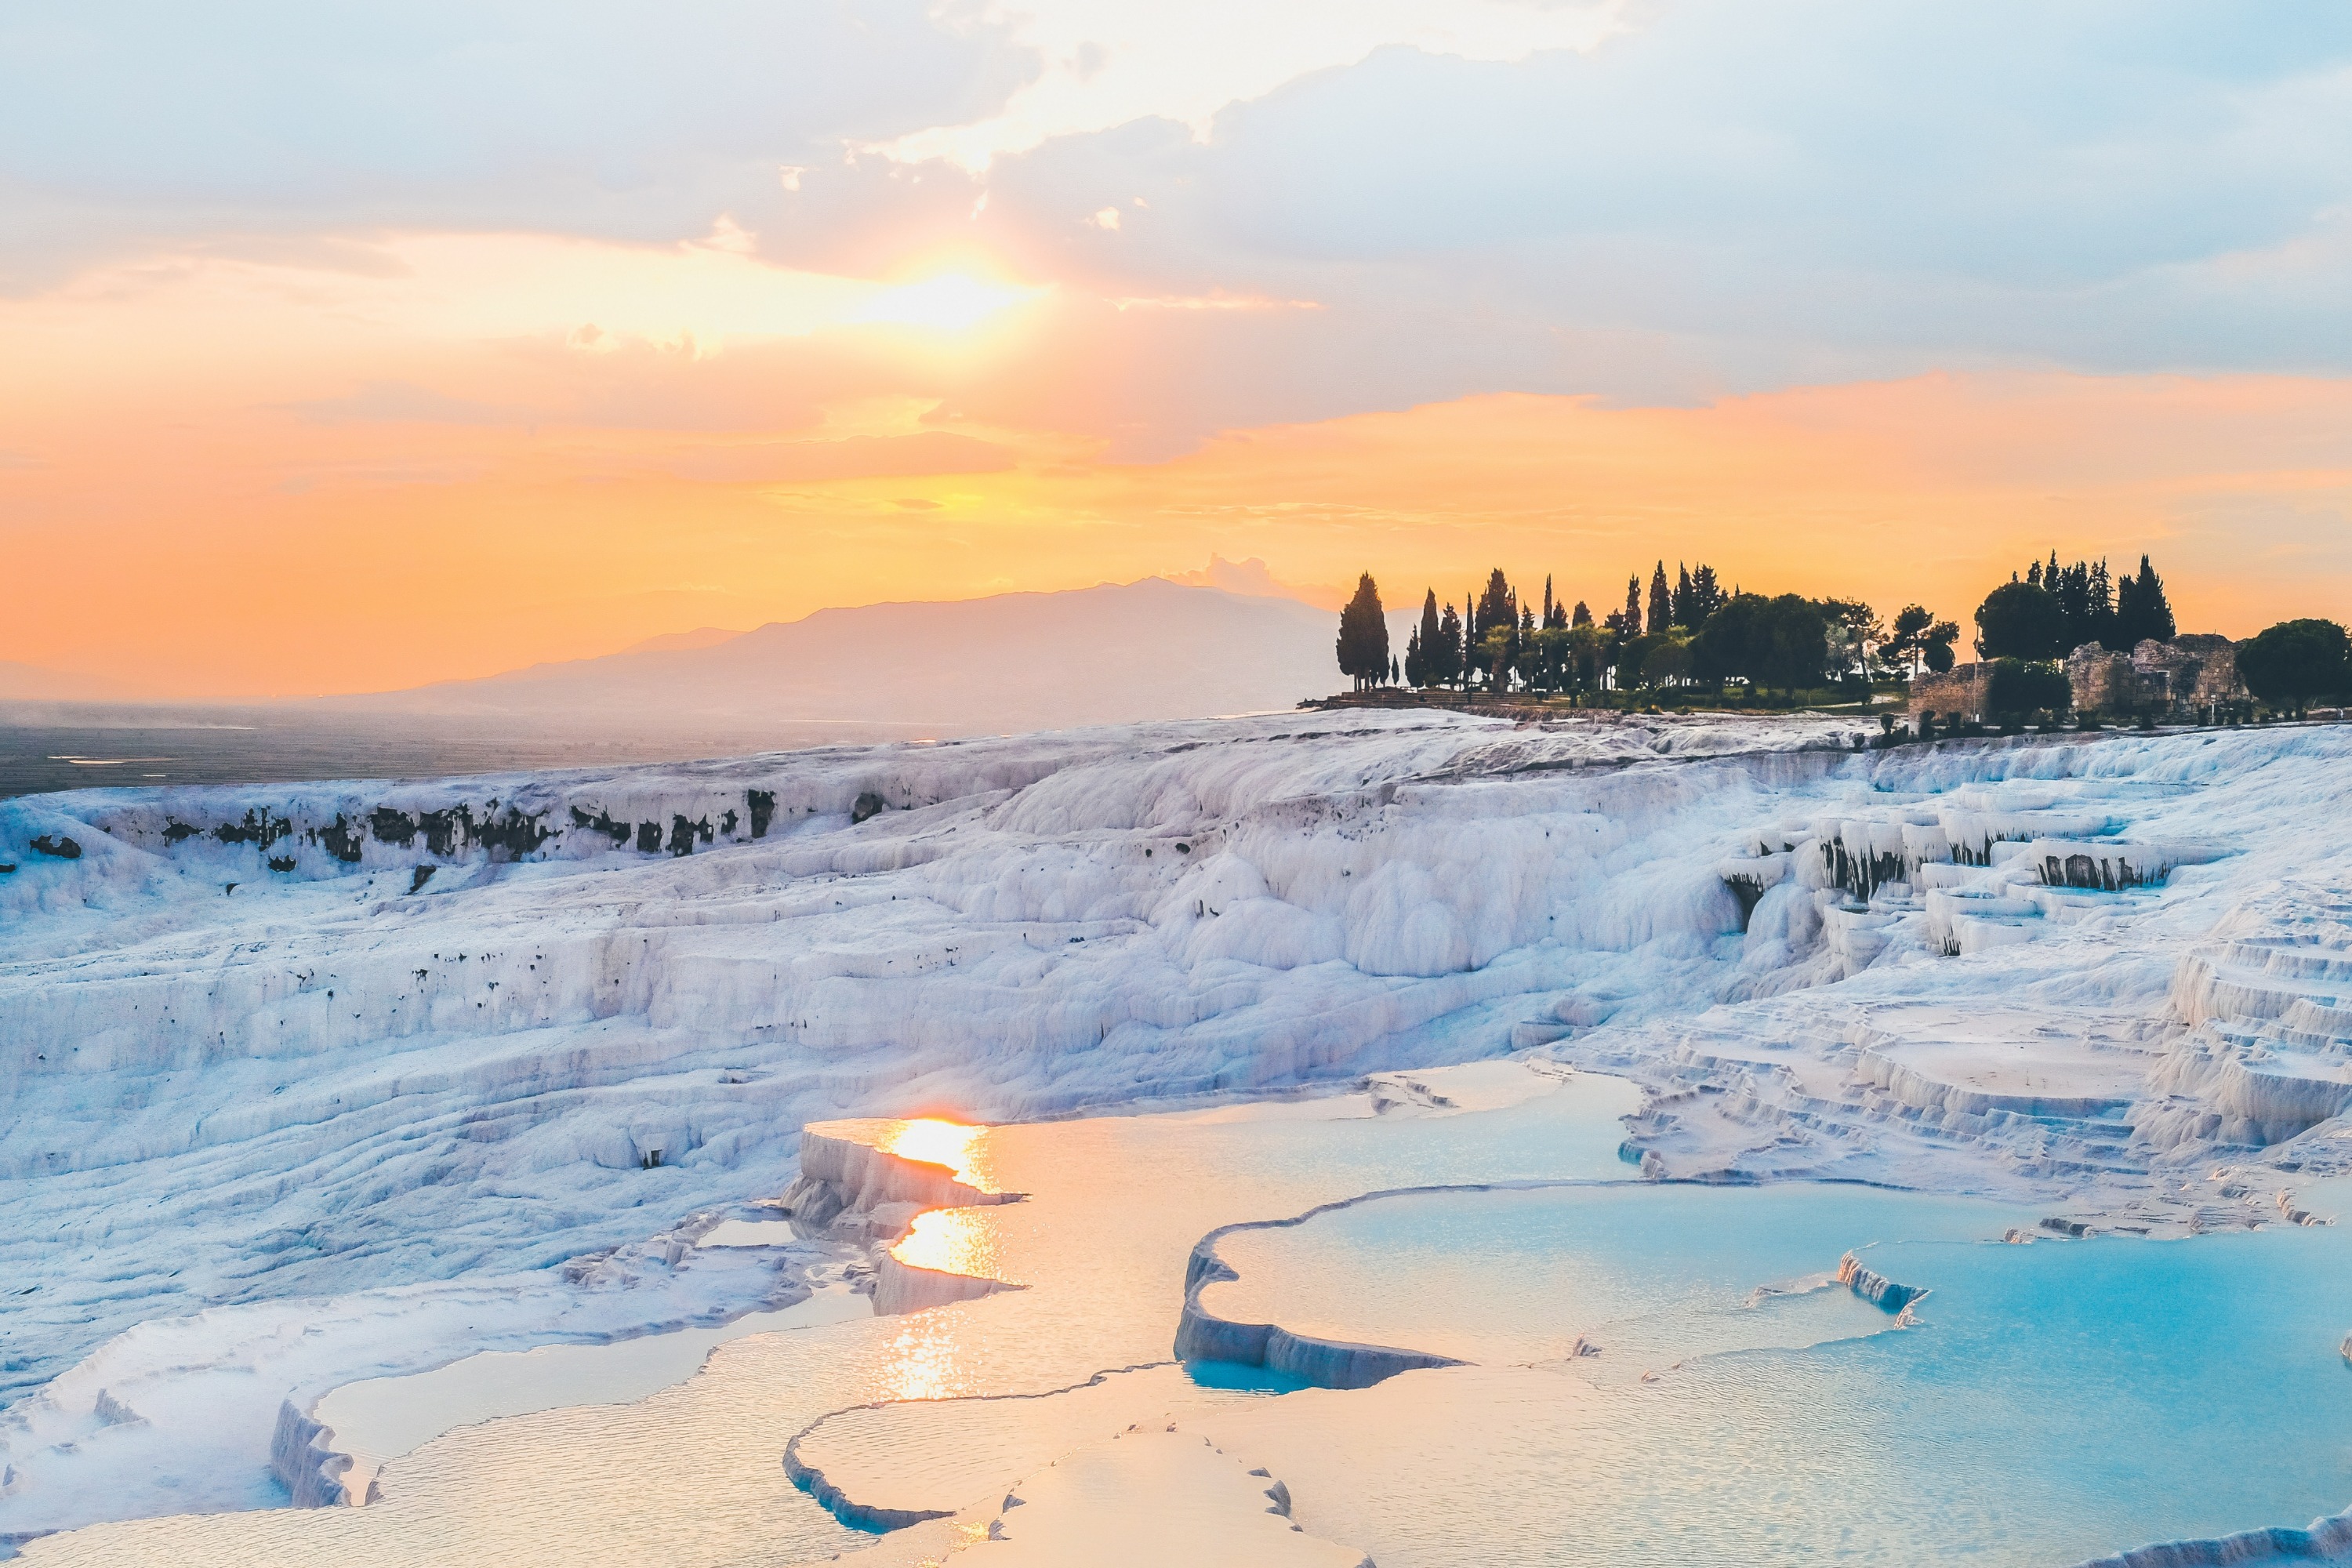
(323, 481)
(344, 353)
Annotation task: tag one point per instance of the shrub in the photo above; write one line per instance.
(2019, 689)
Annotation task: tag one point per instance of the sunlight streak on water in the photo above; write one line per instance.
(924, 1359)
(954, 1241)
(938, 1142)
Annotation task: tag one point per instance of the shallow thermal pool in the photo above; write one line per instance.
(2045, 1404)
(2052, 1403)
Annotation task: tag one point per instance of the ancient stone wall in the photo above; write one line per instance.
(1960, 693)
(2177, 678)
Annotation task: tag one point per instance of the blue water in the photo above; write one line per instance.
(1242, 1377)
(2053, 1402)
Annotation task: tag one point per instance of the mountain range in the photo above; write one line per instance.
(1110, 653)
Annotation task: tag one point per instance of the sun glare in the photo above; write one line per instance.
(937, 1141)
(953, 1241)
(949, 303)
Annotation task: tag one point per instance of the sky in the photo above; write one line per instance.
(347, 348)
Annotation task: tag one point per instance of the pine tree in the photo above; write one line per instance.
(1910, 639)
(1582, 616)
(1662, 600)
(1629, 623)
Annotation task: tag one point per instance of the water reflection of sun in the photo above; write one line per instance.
(927, 1359)
(954, 1241)
(936, 1142)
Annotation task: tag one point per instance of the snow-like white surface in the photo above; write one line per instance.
(342, 1094)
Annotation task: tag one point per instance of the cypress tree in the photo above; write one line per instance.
(1497, 605)
(1629, 623)
(1581, 616)
(1422, 661)
(1662, 600)
(1448, 669)
(1363, 647)
(1706, 597)
(2155, 609)
(2100, 603)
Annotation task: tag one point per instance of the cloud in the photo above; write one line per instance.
(1728, 195)
(1110, 62)
(1369, 206)
(124, 123)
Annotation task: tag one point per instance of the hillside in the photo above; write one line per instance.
(1111, 654)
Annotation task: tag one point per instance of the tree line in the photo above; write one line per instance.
(2049, 612)
(1692, 632)
(1681, 633)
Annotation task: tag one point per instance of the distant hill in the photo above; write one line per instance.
(1112, 654)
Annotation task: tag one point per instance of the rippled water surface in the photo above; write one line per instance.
(693, 1475)
(2052, 1403)
(2045, 1404)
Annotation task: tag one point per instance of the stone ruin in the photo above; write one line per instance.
(2193, 676)
(2190, 677)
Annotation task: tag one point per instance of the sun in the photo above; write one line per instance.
(947, 302)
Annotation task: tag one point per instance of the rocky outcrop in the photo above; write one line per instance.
(1876, 1288)
(303, 1458)
(861, 1176)
(2328, 1539)
(2267, 1054)
(842, 1175)
(902, 1287)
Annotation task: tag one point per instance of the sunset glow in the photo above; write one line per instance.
(951, 328)
(950, 302)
